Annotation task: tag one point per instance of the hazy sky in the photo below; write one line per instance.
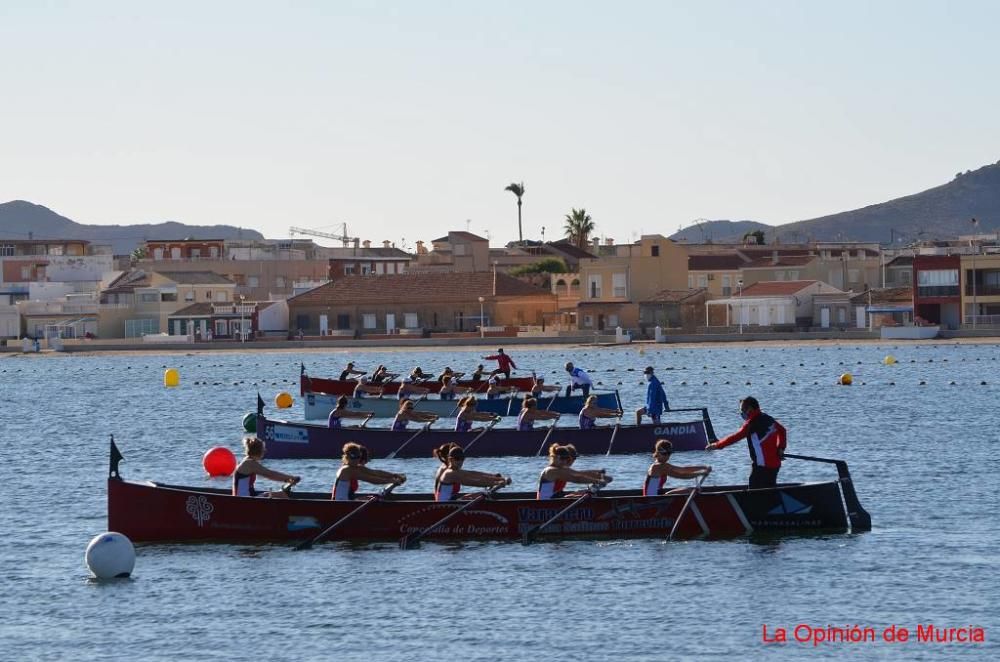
(405, 119)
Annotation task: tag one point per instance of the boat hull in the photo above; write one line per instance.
(346, 386)
(152, 513)
(299, 440)
(319, 405)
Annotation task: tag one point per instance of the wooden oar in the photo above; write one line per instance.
(533, 531)
(684, 508)
(369, 501)
(392, 455)
(480, 435)
(545, 440)
(412, 539)
(613, 433)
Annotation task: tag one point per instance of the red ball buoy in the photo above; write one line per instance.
(219, 461)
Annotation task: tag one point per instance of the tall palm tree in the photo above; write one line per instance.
(578, 227)
(518, 190)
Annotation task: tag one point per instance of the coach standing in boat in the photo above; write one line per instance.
(656, 399)
(765, 440)
(504, 363)
(578, 380)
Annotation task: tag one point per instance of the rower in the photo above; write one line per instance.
(552, 482)
(661, 468)
(494, 390)
(451, 476)
(341, 412)
(409, 386)
(349, 371)
(449, 390)
(247, 470)
(353, 470)
(407, 414)
(365, 388)
(504, 363)
(766, 442)
(539, 388)
(531, 413)
(468, 414)
(380, 375)
(578, 380)
(477, 376)
(591, 412)
(656, 399)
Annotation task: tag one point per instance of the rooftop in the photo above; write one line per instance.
(417, 288)
(764, 262)
(195, 277)
(722, 262)
(459, 234)
(675, 296)
(769, 288)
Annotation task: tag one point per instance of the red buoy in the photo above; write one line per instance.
(219, 461)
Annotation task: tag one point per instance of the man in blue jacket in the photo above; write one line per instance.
(656, 399)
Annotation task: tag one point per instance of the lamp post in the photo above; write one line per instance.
(482, 330)
(243, 336)
(739, 286)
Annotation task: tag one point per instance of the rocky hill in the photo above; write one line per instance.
(22, 220)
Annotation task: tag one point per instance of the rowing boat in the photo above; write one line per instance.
(319, 405)
(346, 386)
(154, 512)
(302, 440)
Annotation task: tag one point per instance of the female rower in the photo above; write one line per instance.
(449, 390)
(353, 469)
(247, 470)
(467, 415)
(477, 376)
(661, 468)
(365, 388)
(552, 482)
(451, 476)
(538, 387)
(591, 412)
(406, 414)
(341, 412)
(409, 385)
(531, 413)
(379, 375)
(494, 390)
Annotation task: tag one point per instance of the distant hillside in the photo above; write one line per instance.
(938, 213)
(720, 232)
(19, 219)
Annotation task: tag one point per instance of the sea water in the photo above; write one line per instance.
(923, 453)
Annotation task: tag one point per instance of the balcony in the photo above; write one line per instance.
(982, 290)
(937, 291)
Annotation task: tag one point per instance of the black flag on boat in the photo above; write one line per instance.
(116, 457)
(260, 405)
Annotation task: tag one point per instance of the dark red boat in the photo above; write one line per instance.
(155, 512)
(309, 384)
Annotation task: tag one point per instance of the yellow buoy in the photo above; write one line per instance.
(889, 360)
(283, 400)
(845, 379)
(171, 378)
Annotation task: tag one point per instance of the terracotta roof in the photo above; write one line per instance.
(194, 310)
(783, 261)
(196, 277)
(127, 282)
(722, 262)
(430, 287)
(886, 295)
(776, 288)
(569, 249)
(460, 234)
(674, 296)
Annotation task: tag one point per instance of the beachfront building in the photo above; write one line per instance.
(981, 290)
(419, 303)
(673, 309)
(613, 284)
(458, 251)
(140, 302)
(937, 296)
(718, 274)
(890, 306)
(898, 271)
(236, 320)
(362, 259)
(769, 304)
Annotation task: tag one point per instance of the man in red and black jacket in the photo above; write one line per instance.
(765, 439)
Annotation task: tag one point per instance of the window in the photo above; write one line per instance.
(702, 280)
(595, 286)
(214, 251)
(937, 277)
(390, 267)
(349, 270)
(149, 297)
(157, 253)
(368, 321)
(841, 316)
(168, 296)
(222, 296)
(343, 322)
(208, 295)
(366, 269)
(906, 277)
(379, 268)
(727, 285)
(301, 322)
(279, 281)
(26, 273)
(793, 275)
(588, 321)
(690, 282)
(410, 320)
(612, 320)
(175, 253)
(401, 268)
(195, 252)
(618, 285)
(656, 251)
(55, 250)
(253, 281)
(220, 328)
(7, 250)
(459, 249)
(189, 295)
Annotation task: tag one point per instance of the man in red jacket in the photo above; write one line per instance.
(765, 440)
(504, 363)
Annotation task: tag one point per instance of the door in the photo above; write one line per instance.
(390, 322)
(859, 314)
(765, 316)
(177, 328)
(824, 318)
(204, 328)
(323, 325)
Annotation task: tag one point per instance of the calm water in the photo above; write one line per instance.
(924, 458)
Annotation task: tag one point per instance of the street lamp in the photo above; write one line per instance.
(739, 286)
(482, 331)
(243, 335)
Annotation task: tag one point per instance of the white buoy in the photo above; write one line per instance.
(110, 556)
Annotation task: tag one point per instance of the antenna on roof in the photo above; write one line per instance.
(468, 224)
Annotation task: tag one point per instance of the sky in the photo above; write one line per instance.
(407, 119)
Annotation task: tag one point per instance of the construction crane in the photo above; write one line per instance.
(343, 236)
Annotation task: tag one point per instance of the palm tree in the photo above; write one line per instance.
(755, 237)
(578, 227)
(518, 190)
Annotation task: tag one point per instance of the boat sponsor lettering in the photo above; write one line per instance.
(528, 515)
(665, 523)
(816, 635)
(790, 506)
(200, 509)
(300, 522)
(285, 434)
(676, 429)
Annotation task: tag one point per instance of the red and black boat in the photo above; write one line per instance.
(152, 512)
(309, 384)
